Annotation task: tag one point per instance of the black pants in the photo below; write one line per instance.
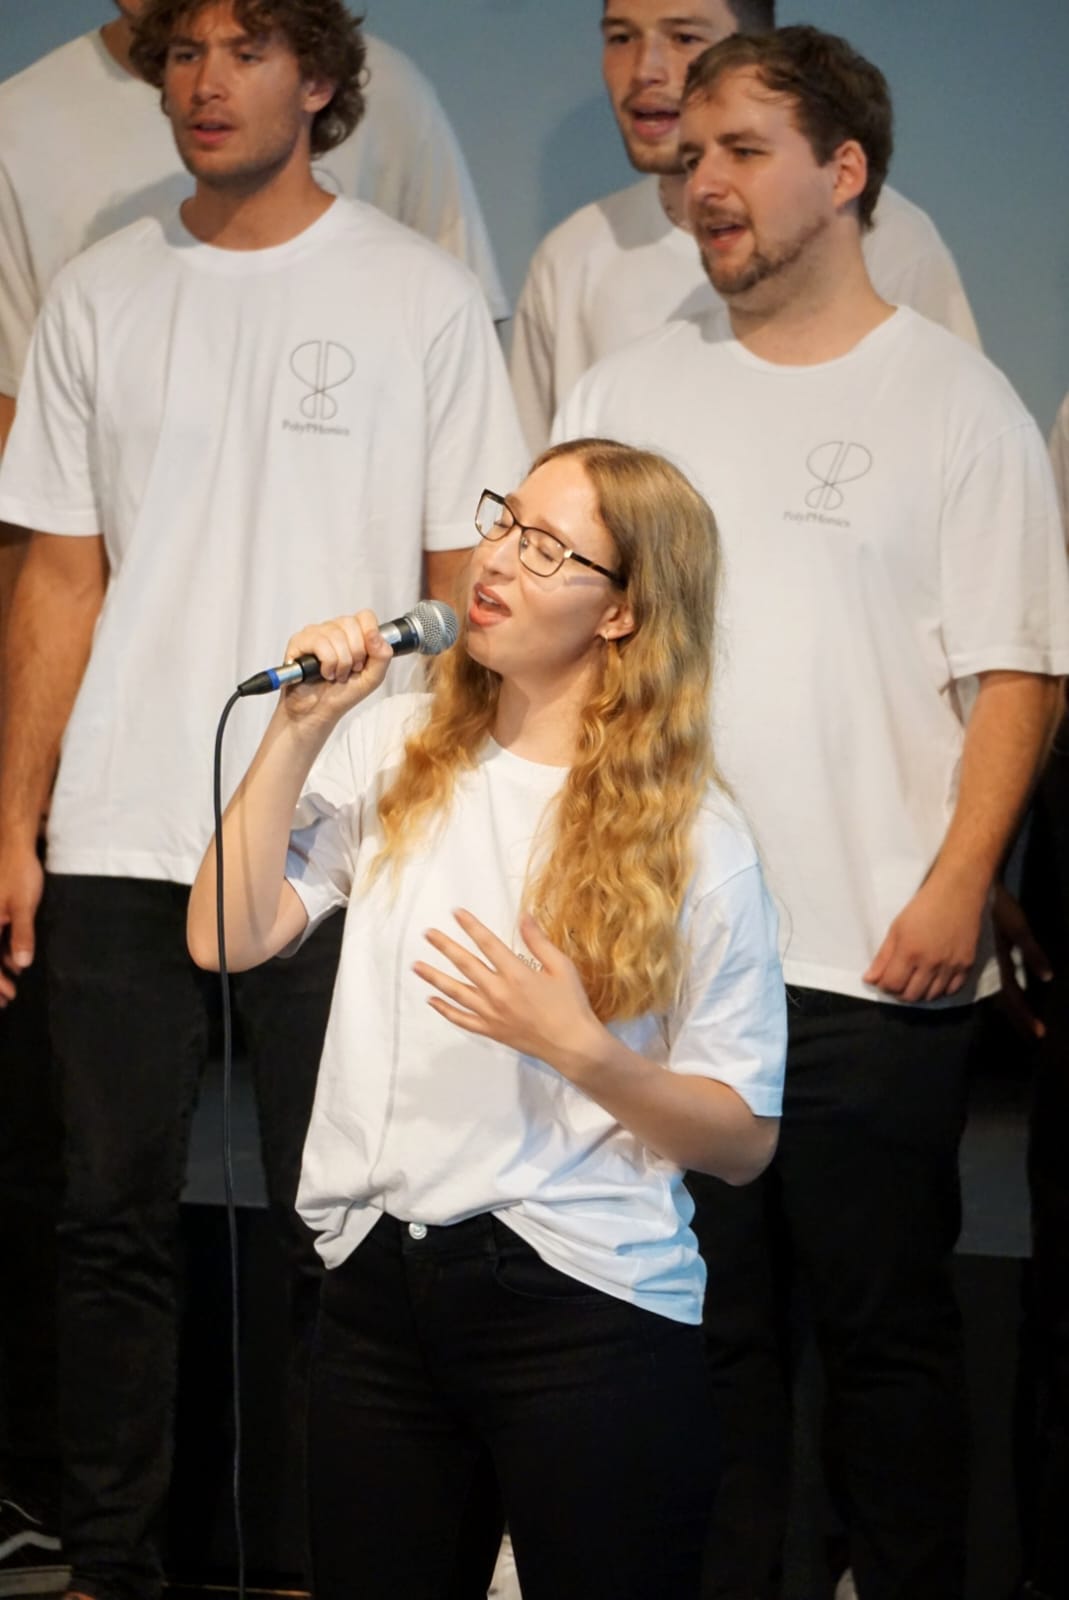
(1043, 1424)
(436, 1352)
(130, 1026)
(861, 1209)
(30, 1187)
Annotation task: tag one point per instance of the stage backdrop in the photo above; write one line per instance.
(983, 131)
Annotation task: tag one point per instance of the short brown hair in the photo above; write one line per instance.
(323, 35)
(837, 94)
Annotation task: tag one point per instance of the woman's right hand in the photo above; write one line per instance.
(353, 660)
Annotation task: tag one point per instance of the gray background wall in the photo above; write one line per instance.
(983, 131)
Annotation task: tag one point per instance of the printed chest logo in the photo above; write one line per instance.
(832, 466)
(321, 367)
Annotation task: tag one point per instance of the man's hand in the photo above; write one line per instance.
(931, 945)
(1013, 933)
(540, 1011)
(21, 887)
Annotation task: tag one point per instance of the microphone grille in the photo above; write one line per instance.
(437, 625)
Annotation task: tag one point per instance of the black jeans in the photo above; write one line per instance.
(131, 1019)
(30, 1186)
(436, 1352)
(1043, 1420)
(861, 1208)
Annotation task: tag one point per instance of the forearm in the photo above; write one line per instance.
(12, 554)
(260, 914)
(14, 543)
(441, 573)
(1006, 742)
(7, 418)
(697, 1122)
(49, 636)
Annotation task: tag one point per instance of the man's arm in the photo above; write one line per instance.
(1013, 935)
(441, 573)
(13, 544)
(931, 945)
(7, 417)
(54, 609)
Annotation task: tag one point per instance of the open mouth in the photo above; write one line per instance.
(722, 234)
(486, 605)
(210, 132)
(654, 122)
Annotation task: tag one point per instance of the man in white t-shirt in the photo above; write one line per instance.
(231, 419)
(84, 150)
(896, 609)
(627, 264)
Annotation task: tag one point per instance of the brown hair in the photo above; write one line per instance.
(837, 94)
(753, 16)
(323, 35)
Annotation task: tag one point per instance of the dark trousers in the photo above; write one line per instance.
(131, 1018)
(436, 1353)
(859, 1211)
(30, 1187)
(1043, 1423)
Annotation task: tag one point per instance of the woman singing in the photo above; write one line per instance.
(558, 990)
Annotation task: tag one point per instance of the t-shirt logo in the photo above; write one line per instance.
(321, 365)
(832, 465)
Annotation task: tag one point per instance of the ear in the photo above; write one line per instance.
(617, 623)
(318, 92)
(851, 172)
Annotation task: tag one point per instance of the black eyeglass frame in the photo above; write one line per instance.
(567, 553)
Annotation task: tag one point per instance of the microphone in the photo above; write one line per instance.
(429, 628)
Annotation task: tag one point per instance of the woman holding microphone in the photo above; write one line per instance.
(558, 990)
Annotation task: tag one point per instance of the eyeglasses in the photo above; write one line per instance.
(541, 553)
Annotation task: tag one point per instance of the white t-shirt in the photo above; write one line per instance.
(419, 1119)
(85, 150)
(1059, 455)
(264, 438)
(889, 530)
(618, 269)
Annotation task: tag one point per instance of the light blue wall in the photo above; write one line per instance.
(983, 131)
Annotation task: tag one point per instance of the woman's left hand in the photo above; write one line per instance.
(541, 1011)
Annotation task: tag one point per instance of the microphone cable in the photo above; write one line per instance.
(428, 629)
(228, 1147)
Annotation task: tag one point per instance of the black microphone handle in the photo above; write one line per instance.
(430, 628)
(311, 672)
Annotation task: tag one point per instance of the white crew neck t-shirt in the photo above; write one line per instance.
(619, 269)
(264, 438)
(85, 150)
(418, 1119)
(889, 530)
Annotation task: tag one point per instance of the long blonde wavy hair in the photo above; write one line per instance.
(618, 856)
